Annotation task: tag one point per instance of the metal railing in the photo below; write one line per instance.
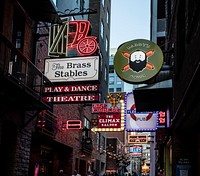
(47, 123)
(20, 69)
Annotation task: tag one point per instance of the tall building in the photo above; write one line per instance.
(181, 49)
(22, 81)
(115, 83)
(37, 135)
(98, 15)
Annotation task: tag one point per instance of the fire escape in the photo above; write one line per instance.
(22, 82)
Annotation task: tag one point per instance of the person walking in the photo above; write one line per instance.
(61, 173)
(76, 173)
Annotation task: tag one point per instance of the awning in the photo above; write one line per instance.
(41, 10)
(153, 98)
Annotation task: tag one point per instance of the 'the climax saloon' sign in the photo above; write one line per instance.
(137, 61)
(135, 121)
(72, 69)
(109, 121)
(110, 115)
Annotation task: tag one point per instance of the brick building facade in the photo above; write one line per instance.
(33, 137)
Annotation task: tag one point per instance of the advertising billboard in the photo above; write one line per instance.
(138, 121)
(72, 69)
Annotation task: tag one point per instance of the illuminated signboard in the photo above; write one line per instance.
(105, 108)
(135, 121)
(72, 88)
(162, 119)
(71, 38)
(109, 118)
(109, 121)
(71, 98)
(137, 139)
(74, 124)
(78, 39)
(137, 61)
(72, 69)
(135, 151)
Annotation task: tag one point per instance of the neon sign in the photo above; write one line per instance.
(137, 139)
(138, 121)
(72, 88)
(161, 117)
(110, 118)
(105, 108)
(71, 98)
(79, 40)
(72, 125)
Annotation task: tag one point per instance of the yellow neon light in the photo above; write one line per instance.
(114, 129)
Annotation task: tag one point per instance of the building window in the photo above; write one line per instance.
(111, 89)
(111, 80)
(103, 143)
(106, 74)
(98, 140)
(119, 81)
(111, 70)
(86, 128)
(103, 2)
(106, 45)
(111, 60)
(86, 123)
(18, 29)
(102, 29)
(101, 61)
(118, 89)
(107, 17)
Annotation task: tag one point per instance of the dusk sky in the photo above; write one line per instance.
(130, 19)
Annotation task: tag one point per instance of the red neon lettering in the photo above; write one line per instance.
(74, 124)
(162, 114)
(161, 120)
(78, 39)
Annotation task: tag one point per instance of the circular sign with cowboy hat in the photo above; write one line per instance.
(137, 61)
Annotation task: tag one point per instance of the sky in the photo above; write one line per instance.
(130, 19)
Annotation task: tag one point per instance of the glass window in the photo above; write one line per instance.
(111, 89)
(86, 128)
(111, 60)
(119, 81)
(106, 45)
(107, 17)
(102, 29)
(103, 2)
(86, 123)
(106, 73)
(111, 80)
(111, 70)
(98, 140)
(118, 89)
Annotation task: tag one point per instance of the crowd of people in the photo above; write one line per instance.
(94, 173)
(116, 174)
